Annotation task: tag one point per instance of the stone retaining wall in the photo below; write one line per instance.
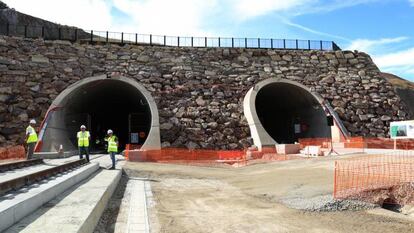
(199, 91)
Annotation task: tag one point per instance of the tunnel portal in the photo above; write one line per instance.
(99, 105)
(289, 112)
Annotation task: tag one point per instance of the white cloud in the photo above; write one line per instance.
(400, 63)
(307, 29)
(246, 9)
(335, 5)
(402, 59)
(367, 45)
(180, 17)
(412, 2)
(87, 14)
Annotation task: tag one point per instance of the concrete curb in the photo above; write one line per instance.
(23, 204)
(90, 223)
(133, 211)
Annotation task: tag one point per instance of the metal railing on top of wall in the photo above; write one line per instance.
(75, 34)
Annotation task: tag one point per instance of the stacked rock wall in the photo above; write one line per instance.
(199, 91)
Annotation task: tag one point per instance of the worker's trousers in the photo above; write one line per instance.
(84, 150)
(112, 155)
(30, 150)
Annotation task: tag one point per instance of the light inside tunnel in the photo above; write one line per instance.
(289, 112)
(100, 105)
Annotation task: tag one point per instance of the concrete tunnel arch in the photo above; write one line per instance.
(94, 101)
(274, 106)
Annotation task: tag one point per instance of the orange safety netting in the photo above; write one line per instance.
(208, 157)
(13, 152)
(376, 178)
(379, 143)
(181, 155)
(322, 142)
(360, 143)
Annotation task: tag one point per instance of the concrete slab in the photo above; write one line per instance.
(349, 151)
(76, 210)
(17, 205)
(54, 155)
(286, 149)
(59, 161)
(103, 159)
(133, 212)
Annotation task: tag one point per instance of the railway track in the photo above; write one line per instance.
(19, 182)
(19, 164)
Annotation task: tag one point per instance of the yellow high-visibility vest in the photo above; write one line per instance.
(83, 138)
(32, 134)
(112, 144)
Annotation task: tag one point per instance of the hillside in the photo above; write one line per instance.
(404, 89)
(18, 20)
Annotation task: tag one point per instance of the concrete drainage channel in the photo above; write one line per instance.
(86, 198)
(127, 210)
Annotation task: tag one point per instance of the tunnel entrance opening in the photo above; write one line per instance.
(100, 104)
(281, 111)
(288, 112)
(108, 104)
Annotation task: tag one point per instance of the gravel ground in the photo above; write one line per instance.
(288, 196)
(326, 203)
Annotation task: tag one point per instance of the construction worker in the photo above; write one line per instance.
(31, 139)
(112, 146)
(83, 142)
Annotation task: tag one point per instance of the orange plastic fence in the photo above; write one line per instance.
(355, 142)
(370, 177)
(379, 143)
(361, 143)
(322, 142)
(14, 152)
(182, 155)
(207, 157)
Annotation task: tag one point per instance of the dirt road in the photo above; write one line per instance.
(252, 199)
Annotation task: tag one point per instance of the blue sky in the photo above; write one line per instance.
(382, 28)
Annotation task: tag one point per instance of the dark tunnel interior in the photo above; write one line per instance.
(108, 104)
(289, 112)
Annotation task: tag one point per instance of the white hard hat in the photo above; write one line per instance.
(110, 131)
(83, 127)
(32, 121)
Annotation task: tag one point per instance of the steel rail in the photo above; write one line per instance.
(19, 182)
(19, 164)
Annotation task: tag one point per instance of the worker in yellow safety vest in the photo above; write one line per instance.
(83, 142)
(31, 139)
(112, 146)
